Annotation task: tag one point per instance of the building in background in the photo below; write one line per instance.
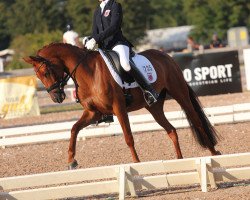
(5, 56)
(169, 39)
(238, 37)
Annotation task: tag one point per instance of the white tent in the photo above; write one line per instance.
(168, 38)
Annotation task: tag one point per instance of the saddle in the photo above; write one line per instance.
(114, 59)
(123, 78)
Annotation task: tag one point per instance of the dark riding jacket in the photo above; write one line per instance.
(107, 26)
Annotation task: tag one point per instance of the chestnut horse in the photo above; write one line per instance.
(99, 94)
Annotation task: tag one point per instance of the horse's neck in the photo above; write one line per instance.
(71, 59)
(76, 64)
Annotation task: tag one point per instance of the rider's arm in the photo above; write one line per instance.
(116, 20)
(94, 25)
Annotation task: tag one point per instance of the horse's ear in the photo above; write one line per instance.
(30, 59)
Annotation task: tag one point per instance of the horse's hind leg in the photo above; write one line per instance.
(192, 114)
(157, 112)
(201, 127)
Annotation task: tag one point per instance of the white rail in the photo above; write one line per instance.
(128, 178)
(61, 131)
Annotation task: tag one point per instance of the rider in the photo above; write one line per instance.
(71, 37)
(107, 33)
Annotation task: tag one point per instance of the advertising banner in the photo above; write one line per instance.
(211, 73)
(246, 56)
(17, 97)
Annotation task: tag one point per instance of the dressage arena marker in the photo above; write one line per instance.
(129, 178)
(61, 131)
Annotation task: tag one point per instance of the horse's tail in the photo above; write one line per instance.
(205, 136)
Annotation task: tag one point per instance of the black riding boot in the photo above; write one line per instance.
(107, 118)
(149, 92)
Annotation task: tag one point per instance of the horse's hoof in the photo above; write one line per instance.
(216, 153)
(73, 165)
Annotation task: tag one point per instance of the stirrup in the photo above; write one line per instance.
(150, 98)
(105, 118)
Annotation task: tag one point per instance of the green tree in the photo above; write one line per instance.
(135, 19)
(28, 24)
(79, 14)
(209, 16)
(28, 16)
(166, 13)
(240, 15)
(199, 14)
(4, 31)
(29, 44)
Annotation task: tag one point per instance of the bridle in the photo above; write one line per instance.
(63, 81)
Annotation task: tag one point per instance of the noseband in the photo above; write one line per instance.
(59, 83)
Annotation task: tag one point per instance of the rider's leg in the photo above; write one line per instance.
(129, 66)
(123, 52)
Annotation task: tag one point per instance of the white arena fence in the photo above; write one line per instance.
(139, 123)
(206, 172)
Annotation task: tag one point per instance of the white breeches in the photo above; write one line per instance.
(123, 52)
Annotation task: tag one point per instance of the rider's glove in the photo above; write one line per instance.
(85, 40)
(90, 44)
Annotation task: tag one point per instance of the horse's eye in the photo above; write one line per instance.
(46, 74)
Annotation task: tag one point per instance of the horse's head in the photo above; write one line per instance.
(51, 75)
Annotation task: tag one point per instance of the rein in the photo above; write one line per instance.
(64, 80)
(60, 84)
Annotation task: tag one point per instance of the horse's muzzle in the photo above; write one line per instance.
(57, 95)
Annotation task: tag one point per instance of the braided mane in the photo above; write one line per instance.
(59, 44)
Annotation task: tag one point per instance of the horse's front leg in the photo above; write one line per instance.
(85, 120)
(121, 113)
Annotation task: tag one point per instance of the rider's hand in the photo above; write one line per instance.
(90, 44)
(85, 40)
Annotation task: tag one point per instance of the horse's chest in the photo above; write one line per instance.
(97, 97)
(102, 104)
(96, 103)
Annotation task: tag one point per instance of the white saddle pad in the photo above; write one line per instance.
(141, 62)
